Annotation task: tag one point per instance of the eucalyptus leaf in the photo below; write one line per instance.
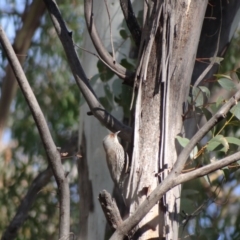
(183, 142)
(207, 179)
(235, 123)
(197, 96)
(219, 101)
(104, 72)
(217, 60)
(108, 93)
(216, 141)
(235, 110)
(226, 84)
(125, 62)
(226, 172)
(207, 113)
(219, 76)
(233, 140)
(205, 90)
(94, 79)
(123, 33)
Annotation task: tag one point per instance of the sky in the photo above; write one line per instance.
(9, 26)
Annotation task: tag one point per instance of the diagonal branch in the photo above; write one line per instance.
(40, 181)
(182, 158)
(200, 172)
(49, 146)
(131, 21)
(165, 186)
(103, 53)
(175, 177)
(80, 77)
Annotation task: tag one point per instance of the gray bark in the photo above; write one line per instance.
(93, 222)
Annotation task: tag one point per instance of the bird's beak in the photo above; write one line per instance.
(117, 132)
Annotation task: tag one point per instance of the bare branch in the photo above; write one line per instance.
(169, 182)
(175, 177)
(36, 186)
(200, 172)
(103, 53)
(110, 209)
(110, 28)
(22, 213)
(96, 108)
(213, 59)
(131, 21)
(49, 146)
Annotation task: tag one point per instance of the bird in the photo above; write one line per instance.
(117, 159)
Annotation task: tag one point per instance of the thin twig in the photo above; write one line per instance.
(97, 56)
(176, 177)
(213, 59)
(122, 72)
(110, 28)
(131, 21)
(165, 186)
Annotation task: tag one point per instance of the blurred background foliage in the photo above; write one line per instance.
(50, 78)
(49, 75)
(209, 205)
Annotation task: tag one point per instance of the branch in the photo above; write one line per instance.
(22, 213)
(110, 209)
(83, 83)
(131, 21)
(221, 113)
(36, 186)
(213, 59)
(165, 186)
(110, 29)
(49, 146)
(200, 172)
(103, 53)
(175, 177)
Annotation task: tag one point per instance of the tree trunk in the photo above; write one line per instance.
(223, 17)
(94, 175)
(159, 120)
(161, 98)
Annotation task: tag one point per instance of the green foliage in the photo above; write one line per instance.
(183, 142)
(205, 202)
(105, 73)
(226, 84)
(207, 216)
(49, 75)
